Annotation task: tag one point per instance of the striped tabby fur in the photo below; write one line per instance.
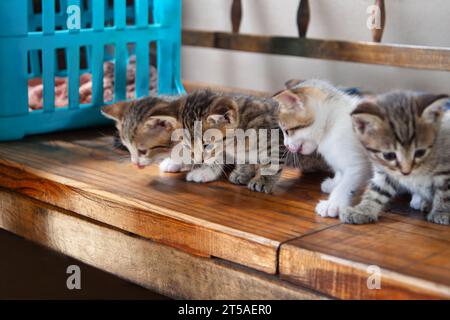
(407, 137)
(238, 112)
(145, 134)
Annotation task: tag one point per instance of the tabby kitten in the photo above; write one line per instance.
(145, 128)
(315, 117)
(407, 137)
(229, 113)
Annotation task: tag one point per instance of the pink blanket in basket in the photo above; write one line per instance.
(36, 88)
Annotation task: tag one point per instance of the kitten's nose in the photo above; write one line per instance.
(406, 168)
(293, 149)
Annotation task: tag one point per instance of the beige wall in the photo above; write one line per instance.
(416, 22)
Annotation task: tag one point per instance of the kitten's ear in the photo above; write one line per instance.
(161, 122)
(288, 100)
(224, 112)
(432, 107)
(367, 118)
(292, 83)
(115, 111)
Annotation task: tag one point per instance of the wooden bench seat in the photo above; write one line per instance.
(74, 193)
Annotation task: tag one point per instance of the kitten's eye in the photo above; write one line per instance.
(142, 152)
(157, 147)
(389, 156)
(420, 153)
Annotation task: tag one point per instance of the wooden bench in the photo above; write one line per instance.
(74, 193)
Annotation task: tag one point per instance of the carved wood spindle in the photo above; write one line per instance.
(236, 15)
(377, 34)
(303, 18)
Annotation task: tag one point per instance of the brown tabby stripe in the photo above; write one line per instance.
(381, 203)
(372, 150)
(396, 134)
(442, 173)
(445, 186)
(391, 183)
(139, 112)
(380, 191)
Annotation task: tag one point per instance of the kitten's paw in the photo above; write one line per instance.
(328, 208)
(419, 203)
(168, 165)
(239, 177)
(354, 215)
(201, 175)
(439, 217)
(328, 185)
(261, 184)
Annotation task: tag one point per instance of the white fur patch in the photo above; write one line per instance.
(328, 208)
(202, 175)
(168, 165)
(419, 203)
(329, 184)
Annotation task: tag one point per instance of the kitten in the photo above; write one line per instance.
(228, 113)
(232, 113)
(145, 128)
(315, 116)
(407, 137)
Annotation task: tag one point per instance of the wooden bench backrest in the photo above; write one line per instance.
(405, 56)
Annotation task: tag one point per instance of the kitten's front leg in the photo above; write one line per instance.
(348, 181)
(380, 191)
(242, 174)
(420, 203)
(330, 183)
(265, 179)
(205, 173)
(440, 212)
(169, 165)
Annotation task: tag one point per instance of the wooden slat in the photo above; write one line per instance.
(82, 173)
(413, 256)
(236, 15)
(377, 34)
(160, 268)
(190, 86)
(404, 56)
(303, 18)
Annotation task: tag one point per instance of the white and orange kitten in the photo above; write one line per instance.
(315, 116)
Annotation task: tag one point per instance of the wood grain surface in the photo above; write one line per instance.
(81, 172)
(413, 257)
(157, 267)
(405, 56)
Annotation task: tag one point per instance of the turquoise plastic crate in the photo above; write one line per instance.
(33, 31)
